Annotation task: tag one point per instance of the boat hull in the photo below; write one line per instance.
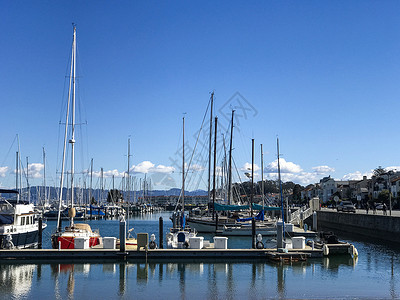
(68, 242)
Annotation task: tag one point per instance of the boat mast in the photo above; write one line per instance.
(183, 167)
(91, 181)
(262, 175)
(280, 185)
(215, 165)
(209, 147)
(65, 137)
(128, 179)
(27, 180)
(72, 140)
(230, 164)
(44, 177)
(252, 178)
(16, 175)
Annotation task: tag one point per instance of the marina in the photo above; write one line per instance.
(199, 150)
(217, 277)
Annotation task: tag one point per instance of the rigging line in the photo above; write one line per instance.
(12, 144)
(195, 146)
(240, 179)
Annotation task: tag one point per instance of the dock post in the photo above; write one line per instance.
(40, 233)
(122, 235)
(160, 233)
(279, 235)
(216, 222)
(315, 221)
(253, 233)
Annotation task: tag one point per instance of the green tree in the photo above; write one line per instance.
(383, 196)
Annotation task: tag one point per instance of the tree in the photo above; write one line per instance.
(114, 195)
(383, 196)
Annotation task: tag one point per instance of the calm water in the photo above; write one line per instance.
(375, 274)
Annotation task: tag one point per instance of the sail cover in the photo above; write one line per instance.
(225, 207)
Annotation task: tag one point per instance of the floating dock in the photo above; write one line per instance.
(173, 255)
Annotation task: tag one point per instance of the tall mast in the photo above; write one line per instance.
(280, 183)
(17, 174)
(101, 186)
(27, 180)
(252, 178)
(230, 164)
(209, 147)
(91, 181)
(72, 140)
(215, 164)
(262, 175)
(128, 179)
(183, 167)
(66, 131)
(44, 177)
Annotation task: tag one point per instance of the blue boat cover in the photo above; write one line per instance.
(259, 217)
(4, 219)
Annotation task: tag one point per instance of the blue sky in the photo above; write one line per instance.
(323, 76)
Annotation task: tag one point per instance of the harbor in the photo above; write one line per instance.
(209, 277)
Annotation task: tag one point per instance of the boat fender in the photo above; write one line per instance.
(259, 245)
(72, 212)
(325, 249)
(152, 245)
(186, 245)
(353, 251)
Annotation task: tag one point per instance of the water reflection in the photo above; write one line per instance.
(180, 280)
(16, 280)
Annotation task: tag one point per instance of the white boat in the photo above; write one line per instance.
(265, 229)
(18, 225)
(66, 239)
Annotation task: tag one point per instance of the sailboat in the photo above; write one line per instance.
(66, 239)
(180, 233)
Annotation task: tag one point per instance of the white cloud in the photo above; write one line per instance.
(194, 167)
(393, 168)
(322, 170)
(162, 169)
(286, 167)
(148, 167)
(35, 169)
(3, 171)
(303, 178)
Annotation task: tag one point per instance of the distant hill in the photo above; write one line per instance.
(37, 192)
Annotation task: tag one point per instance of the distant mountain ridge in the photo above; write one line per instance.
(37, 192)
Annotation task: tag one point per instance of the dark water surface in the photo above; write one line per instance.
(374, 275)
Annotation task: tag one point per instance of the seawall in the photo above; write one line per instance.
(376, 226)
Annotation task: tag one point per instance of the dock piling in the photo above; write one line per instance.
(122, 235)
(253, 233)
(40, 233)
(279, 235)
(161, 233)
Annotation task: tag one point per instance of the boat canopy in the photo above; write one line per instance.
(225, 207)
(6, 219)
(260, 207)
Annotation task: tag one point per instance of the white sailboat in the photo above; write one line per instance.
(66, 239)
(180, 233)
